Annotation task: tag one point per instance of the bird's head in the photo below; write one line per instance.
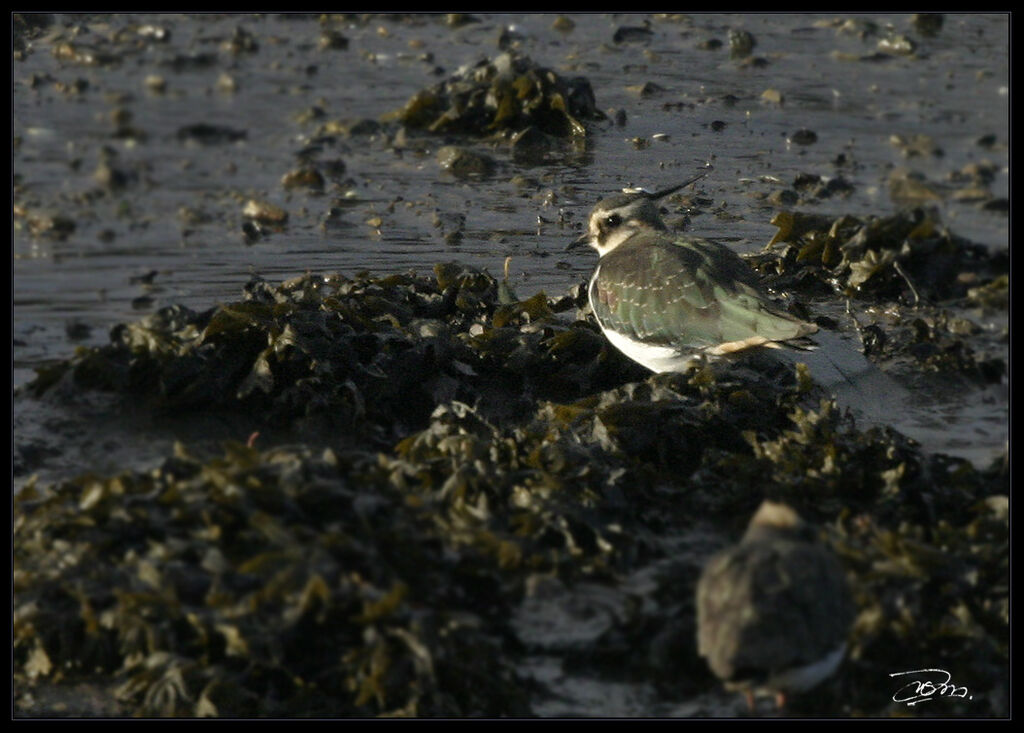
(774, 519)
(617, 218)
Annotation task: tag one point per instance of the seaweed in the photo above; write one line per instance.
(457, 443)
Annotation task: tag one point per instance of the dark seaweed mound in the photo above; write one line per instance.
(459, 445)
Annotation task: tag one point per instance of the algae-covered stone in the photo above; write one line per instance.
(463, 162)
(509, 93)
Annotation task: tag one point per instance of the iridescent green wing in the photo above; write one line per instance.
(685, 293)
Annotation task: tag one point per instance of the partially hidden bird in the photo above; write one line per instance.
(775, 610)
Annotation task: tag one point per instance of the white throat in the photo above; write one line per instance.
(613, 239)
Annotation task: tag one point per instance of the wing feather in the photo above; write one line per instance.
(688, 294)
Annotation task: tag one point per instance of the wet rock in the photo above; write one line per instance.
(333, 219)
(145, 278)
(191, 62)
(48, 225)
(334, 168)
(111, 177)
(986, 141)
(999, 205)
(812, 186)
(646, 90)
(927, 24)
(741, 43)
(264, 212)
(84, 55)
(227, 84)
(155, 33)
(784, 197)
(304, 177)
(897, 44)
(458, 20)
(752, 62)
(529, 146)
(73, 89)
(332, 40)
(241, 41)
(911, 188)
(982, 173)
(993, 296)
(563, 24)
(581, 98)
(155, 83)
(914, 145)
(206, 134)
(348, 128)
(121, 117)
(463, 162)
(804, 137)
(511, 36)
(857, 27)
(973, 194)
(360, 127)
(26, 26)
(312, 113)
(632, 34)
(77, 330)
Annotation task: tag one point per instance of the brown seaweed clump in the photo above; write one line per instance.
(908, 255)
(923, 275)
(507, 94)
(257, 584)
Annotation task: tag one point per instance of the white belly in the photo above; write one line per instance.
(655, 358)
(800, 679)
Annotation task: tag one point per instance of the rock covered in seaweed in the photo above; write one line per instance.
(509, 93)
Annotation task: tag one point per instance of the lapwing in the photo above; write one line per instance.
(774, 611)
(669, 301)
(665, 299)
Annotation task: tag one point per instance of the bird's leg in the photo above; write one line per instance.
(749, 694)
(780, 700)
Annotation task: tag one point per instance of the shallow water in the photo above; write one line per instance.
(955, 91)
(173, 233)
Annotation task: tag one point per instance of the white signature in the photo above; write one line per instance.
(922, 688)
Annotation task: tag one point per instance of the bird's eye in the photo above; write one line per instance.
(612, 221)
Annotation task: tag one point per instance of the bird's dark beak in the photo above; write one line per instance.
(582, 241)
